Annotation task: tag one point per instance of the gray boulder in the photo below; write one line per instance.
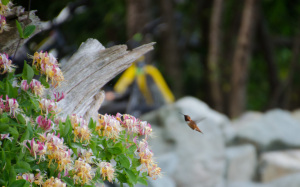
(277, 164)
(201, 157)
(277, 129)
(241, 163)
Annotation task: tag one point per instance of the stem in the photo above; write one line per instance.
(16, 49)
(29, 3)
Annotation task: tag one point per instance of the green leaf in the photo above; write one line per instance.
(68, 127)
(142, 181)
(11, 91)
(122, 178)
(68, 181)
(115, 150)
(92, 125)
(130, 175)
(22, 167)
(14, 132)
(93, 146)
(21, 119)
(124, 161)
(12, 175)
(29, 29)
(135, 162)
(18, 183)
(20, 30)
(4, 125)
(25, 136)
(132, 149)
(28, 72)
(44, 82)
(5, 2)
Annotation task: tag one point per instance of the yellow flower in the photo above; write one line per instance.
(107, 171)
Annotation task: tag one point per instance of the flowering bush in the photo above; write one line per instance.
(37, 147)
(40, 148)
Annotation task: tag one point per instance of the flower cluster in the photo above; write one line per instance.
(108, 126)
(107, 171)
(48, 66)
(36, 87)
(66, 150)
(146, 158)
(83, 172)
(5, 63)
(134, 125)
(80, 128)
(10, 105)
(3, 11)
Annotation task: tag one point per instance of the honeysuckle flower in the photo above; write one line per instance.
(107, 170)
(11, 106)
(3, 24)
(108, 126)
(154, 172)
(82, 132)
(4, 8)
(36, 148)
(5, 64)
(131, 123)
(145, 129)
(48, 106)
(77, 120)
(44, 123)
(38, 179)
(48, 66)
(54, 182)
(58, 96)
(29, 177)
(6, 136)
(24, 85)
(86, 155)
(36, 87)
(83, 172)
(57, 151)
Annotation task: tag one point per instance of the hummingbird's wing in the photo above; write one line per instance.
(199, 120)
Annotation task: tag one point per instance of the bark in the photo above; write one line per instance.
(214, 54)
(170, 52)
(241, 59)
(88, 70)
(137, 16)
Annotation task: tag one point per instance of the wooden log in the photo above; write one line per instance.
(88, 70)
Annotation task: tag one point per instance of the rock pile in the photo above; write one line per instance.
(256, 150)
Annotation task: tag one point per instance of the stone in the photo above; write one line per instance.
(241, 163)
(201, 157)
(277, 164)
(275, 130)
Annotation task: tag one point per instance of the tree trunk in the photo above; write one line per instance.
(170, 53)
(241, 59)
(137, 16)
(213, 55)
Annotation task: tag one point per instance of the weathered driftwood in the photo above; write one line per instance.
(88, 70)
(9, 39)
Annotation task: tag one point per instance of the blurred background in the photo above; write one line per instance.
(230, 56)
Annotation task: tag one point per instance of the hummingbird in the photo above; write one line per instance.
(191, 123)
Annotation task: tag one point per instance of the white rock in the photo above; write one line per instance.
(241, 163)
(279, 163)
(274, 130)
(201, 157)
